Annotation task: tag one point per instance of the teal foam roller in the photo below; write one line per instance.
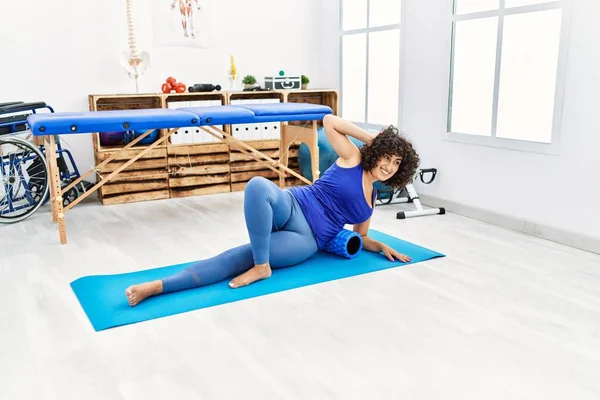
(346, 244)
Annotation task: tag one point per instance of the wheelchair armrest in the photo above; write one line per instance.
(22, 107)
(10, 103)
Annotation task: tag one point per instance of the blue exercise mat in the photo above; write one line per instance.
(103, 296)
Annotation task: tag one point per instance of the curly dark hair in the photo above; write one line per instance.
(390, 142)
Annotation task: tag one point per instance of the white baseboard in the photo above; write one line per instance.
(562, 236)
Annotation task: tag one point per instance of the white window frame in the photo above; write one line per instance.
(366, 31)
(551, 148)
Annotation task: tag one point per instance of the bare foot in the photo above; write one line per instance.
(138, 293)
(256, 273)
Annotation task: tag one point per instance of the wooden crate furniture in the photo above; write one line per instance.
(264, 137)
(145, 179)
(168, 121)
(195, 170)
(270, 139)
(328, 98)
(199, 163)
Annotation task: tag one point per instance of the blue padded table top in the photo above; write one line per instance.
(163, 118)
(221, 115)
(289, 109)
(259, 112)
(109, 121)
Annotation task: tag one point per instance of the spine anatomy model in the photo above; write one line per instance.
(134, 61)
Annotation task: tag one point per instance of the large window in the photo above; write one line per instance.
(507, 73)
(370, 61)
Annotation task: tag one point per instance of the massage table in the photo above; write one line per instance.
(206, 118)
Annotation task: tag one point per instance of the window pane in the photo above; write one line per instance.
(473, 76)
(518, 3)
(528, 75)
(354, 70)
(469, 6)
(384, 59)
(384, 12)
(354, 14)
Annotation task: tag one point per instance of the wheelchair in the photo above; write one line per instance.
(24, 174)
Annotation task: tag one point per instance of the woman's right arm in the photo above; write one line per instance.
(338, 130)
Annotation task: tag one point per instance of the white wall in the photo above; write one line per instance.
(560, 191)
(62, 50)
(329, 39)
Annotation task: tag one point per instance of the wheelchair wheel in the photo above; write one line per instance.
(24, 179)
(71, 195)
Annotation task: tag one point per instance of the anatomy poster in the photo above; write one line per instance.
(181, 23)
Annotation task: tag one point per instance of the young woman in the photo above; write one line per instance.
(287, 226)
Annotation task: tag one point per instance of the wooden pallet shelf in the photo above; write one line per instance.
(123, 102)
(255, 95)
(175, 169)
(198, 169)
(321, 97)
(145, 179)
(244, 167)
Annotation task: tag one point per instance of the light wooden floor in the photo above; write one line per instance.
(503, 316)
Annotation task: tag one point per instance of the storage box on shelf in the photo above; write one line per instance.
(261, 131)
(192, 162)
(198, 162)
(146, 178)
(193, 135)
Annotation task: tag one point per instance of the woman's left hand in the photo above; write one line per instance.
(391, 253)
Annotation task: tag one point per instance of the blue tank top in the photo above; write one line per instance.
(334, 200)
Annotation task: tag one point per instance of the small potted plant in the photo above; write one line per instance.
(249, 81)
(305, 82)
